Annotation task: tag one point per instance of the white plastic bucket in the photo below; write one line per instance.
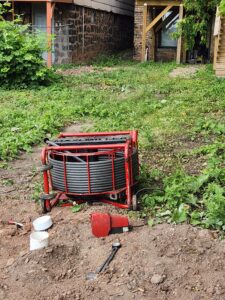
(38, 240)
(42, 223)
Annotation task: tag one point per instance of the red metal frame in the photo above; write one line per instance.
(110, 149)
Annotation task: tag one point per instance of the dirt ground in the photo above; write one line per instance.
(186, 72)
(81, 70)
(163, 262)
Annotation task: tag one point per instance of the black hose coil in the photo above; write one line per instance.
(100, 174)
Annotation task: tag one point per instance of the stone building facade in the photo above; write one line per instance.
(82, 33)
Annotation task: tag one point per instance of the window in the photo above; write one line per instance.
(169, 22)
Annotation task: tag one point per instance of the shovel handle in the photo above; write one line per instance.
(107, 261)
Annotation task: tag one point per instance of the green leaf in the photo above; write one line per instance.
(76, 208)
(150, 222)
(180, 214)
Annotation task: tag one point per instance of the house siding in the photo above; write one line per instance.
(122, 7)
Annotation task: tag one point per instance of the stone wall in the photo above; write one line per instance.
(84, 33)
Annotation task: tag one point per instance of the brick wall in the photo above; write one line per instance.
(138, 27)
(166, 54)
(84, 33)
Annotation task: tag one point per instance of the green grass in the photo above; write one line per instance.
(180, 121)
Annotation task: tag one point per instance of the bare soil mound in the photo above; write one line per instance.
(185, 72)
(164, 262)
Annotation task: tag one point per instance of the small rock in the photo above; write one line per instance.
(205, 234)
(207, 244)
(2, 294)
(210, 290)
(23, 253)
(44, 269)
(49, 250)
(164, 288)
(10, 262)
(157, 279)
(26, 260)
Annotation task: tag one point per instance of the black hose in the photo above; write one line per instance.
(51, 143)
(101, 169)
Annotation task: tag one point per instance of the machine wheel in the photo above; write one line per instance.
(45, 205)
(134, 202)
(45, 202)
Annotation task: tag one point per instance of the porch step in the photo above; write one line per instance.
(220, 67)
(220, 60)
(220, 73)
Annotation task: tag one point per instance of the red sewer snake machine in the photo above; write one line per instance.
(90, 167)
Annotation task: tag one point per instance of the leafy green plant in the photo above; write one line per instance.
(190, 120)
(197, 18)
(76, 208)
(21, 63)
(214, 200)
(222, 8)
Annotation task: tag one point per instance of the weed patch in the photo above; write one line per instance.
(180, 123)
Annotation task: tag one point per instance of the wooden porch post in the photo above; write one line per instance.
(13, 10)
(49, 13)
(179, 42)
(217, 28)
(145, 11)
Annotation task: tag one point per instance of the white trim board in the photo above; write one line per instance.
(122, 7)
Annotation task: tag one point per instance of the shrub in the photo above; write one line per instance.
(222, 8)
(21, 63)
(196, 22)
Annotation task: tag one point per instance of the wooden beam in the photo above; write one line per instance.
(159, 3)
(49, 13)
(145, 12)
(179, 41)
(158, 18)
(13, 11)
(216, 47)
(166, 21)
(52, 1)
(153, 46)
(216, 33)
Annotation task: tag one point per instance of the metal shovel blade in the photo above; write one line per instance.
(91, 276)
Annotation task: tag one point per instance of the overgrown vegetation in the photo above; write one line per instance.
(21, 63)
(222, 7)
(197, 20)
(180, 121)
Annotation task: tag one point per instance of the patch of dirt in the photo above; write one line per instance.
(83, 69)
(185, 72)
(78, 127)
(164, 262)
(167, 156)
